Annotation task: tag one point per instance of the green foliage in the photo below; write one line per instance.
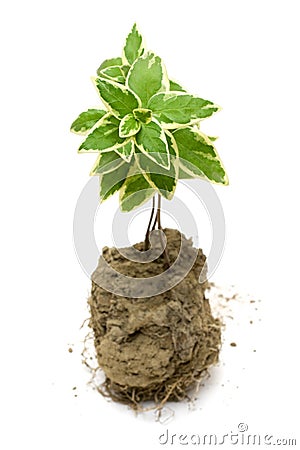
(149, 134)
(117, 98)
(103, 138)
(143, 115)
(135, 190)
(126, 150)
(134, 47)
(198, 156)
(111, 182)
(86, 120)
(176, 109)
(162, 179)
(106, 162)
(109, 63)
(115, 73)
(152, 141)
(129, 126)
(147, 76)
(174, 86)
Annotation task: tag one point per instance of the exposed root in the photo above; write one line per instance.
(176, 389)
(184, 388)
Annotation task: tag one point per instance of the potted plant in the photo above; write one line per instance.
(153, 329)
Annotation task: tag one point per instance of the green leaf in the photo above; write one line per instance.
(126, 150)
(198, 156)
(151, 140)
(118, 99)
(109, 63)
(86, 120)
(177, 109)
(176, 87)
(134, 46)
(147, 76)
(129, 126)
(106, 162)
(104, 138)
(158, 177)
(135, 191)
(138, 154)
(115, 73)
(183, 175)
(113, 181)
(143, 115)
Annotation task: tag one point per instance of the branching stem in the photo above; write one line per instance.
(157, 221)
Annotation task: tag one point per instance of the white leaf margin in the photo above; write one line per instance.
(122, 87)
(175, 164)
(163, 139)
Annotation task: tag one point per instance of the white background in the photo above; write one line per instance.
(244, 55)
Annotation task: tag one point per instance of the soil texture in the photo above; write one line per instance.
(153, 348)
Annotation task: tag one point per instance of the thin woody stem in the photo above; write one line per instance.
(146, 243)
(158, 213)
(154, 223)
(157, 221)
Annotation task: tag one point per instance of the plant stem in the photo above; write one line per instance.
(158, 216)
(154, 223)
(158, 212)
(158, 222)
(146, 243)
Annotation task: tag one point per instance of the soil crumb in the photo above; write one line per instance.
(153, 348)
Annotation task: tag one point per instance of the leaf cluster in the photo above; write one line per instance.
(148, 134)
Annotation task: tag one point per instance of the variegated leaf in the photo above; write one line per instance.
(174, 109)
(129, 126)
(174, 86)
(106, 162)
(118, 99)
(164, 180)
(109, 63)
(126, 150)
(113, 181)
(182, 174)
(143, 115)
(103, 138)
(134, 46)
(115, 73)
(86, 120)
(151, 140)
(198, 156)
(147, 76)
(135, 191)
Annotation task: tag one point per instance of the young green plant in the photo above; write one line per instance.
(147, 136)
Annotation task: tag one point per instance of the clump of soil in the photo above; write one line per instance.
(153, 348)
